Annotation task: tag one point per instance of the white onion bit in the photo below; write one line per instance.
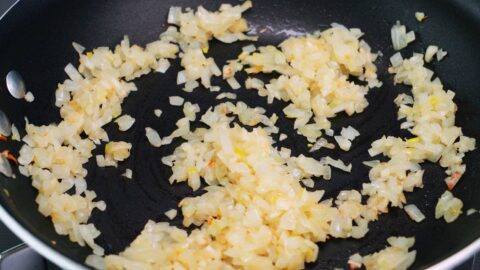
(430, 53)
(171, 214)
(400, 37)
(157, 112)
(176, 100)
(78, 48)
(15, 133)
(420, 16)
(414, 213)
(153, 137)
(128, 174)
(29, 97)
(125, 122)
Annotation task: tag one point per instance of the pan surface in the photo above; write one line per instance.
(36, 37)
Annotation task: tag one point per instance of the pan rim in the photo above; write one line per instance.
(8, 9)
(66, 262)
(39, 246)
(25, 235)
(63, 261)
(457, 258)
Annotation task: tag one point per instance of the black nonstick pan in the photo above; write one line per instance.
(36, 37)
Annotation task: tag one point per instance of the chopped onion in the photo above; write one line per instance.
(153, 137)
(371, 163)
(95, 261)
(349, 133)
(410, 36)
(441, 54)
(101, 205)
(23, 170)
(254, 83)
(157, 112)
(79, 48)
(227, 96)
(181, 78)
(15, 133)
(234, 84)
(420, 16)
(125, 122)
(282, 137)
(338, 164)
(117, 151)
(103, 162)
(128, 174)
(343, 143)
(355, 261)
(80, 185)
(249, 48)
(400, 37)
(396, 59)
(430, 53)
(73, 73)
(414, 213)
(396, 256)
(321, 143)
(222, 154)
(308, 183)
(214, 88)
(29, 97)
(176, 100)
(167, 140)
(471, 211)
(448, 207)
(167, 160)
(190, 85)
(162, 65)
(174, 15)
(5, 167)
(171, 214)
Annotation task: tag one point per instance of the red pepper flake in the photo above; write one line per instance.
(354, 265)
(211, 164)
(8, 155)
(453, 180)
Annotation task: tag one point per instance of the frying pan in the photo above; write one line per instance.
(36, 37)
